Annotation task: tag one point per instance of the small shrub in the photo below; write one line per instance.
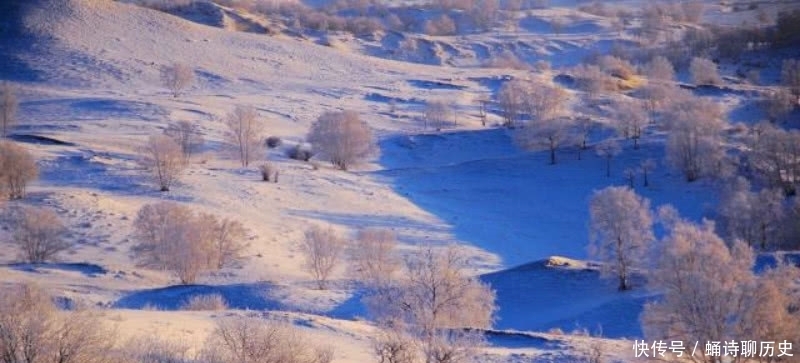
(704, 72)
(616, 67)
(342, 138)
(273, 142)
(541, 66)
(177, 78)
(441, 26)
(300, 152)
(209, 302)
(507, 60)
(591, 79)
(268, 172)
(17, 169)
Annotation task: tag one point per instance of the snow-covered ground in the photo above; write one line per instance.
(88, 74)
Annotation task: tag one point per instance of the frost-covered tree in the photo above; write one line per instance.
(705, 285)
(583, 128)
(436, 114)
(177, 78)
(694, 143)
(245, 132)
(187, 135)
(342, 137)
(373, 256)
(17, 169)
(646, 167)
(39, 234)
(254, 340)
(621, 229)
(775, 156)
(631, 120)
(704, 72)
(545, 134)
(511, 99)
(608, 149)
(173, 238)
(8, 108)
(433, 301)
(778, 104)
(33, 330)
(544, 101)
(660, 68)
(323, 249)
(163, 159)
(753, 217)
(790, 75)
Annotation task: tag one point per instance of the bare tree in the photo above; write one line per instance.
(436, 114)
(549, 134)
(704, 72)
(608, 149)
(17, 169)
(342, 137)
(187, 135)
(630, 176)
(373, 258)
(660, 68)
(245, 132)
(252, 340)
(39, 234)
(173, 238)
(8, 108)
(647, 166)
(163, 159)
(694, 144)
(621, 229)
(322, 248)
(631, 120)
(177, 78)
(583, 128)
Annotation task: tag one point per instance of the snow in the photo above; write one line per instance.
(88, 76)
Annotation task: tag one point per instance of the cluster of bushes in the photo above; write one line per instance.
(33, 329)
(176, 239)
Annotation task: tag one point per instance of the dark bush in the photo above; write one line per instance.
(273, 142)
(300, 152)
